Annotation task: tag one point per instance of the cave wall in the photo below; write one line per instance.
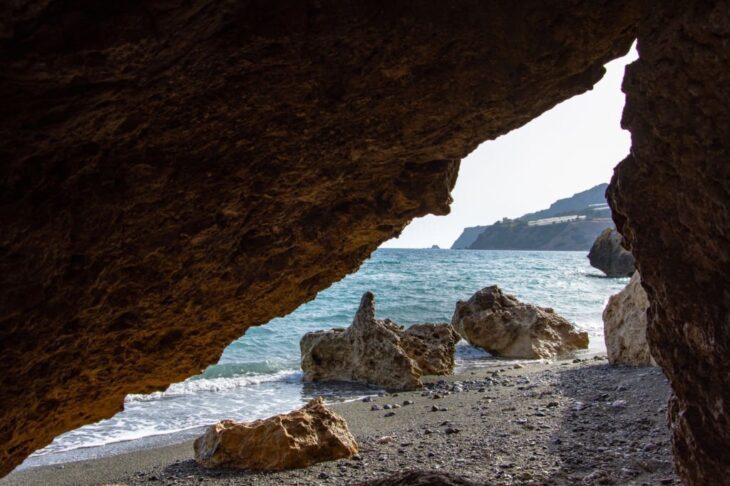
(175, 172)
(671, 201)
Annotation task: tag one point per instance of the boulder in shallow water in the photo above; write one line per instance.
(624, 326)
(609, 256)
(378, 352)
(504, 326)
(300, 438)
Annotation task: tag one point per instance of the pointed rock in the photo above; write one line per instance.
(378, 352)
(624, 326)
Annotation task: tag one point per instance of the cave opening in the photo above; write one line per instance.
(571, 147)
(174, 175)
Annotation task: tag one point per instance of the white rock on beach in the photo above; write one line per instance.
(624, 326)
(504, 326)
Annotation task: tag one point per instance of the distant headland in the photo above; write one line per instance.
(571, 223)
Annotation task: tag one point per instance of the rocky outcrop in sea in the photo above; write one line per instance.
(609, 256)
(504, 326)
(378, 352)
(624, 321)
(297, 439)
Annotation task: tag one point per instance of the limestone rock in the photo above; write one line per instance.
(624, 326)
(670, 198)
(432, 347)
(300, 438)
(369, 351)
(378, 352)
(504, 326)
(609, 256)
(174, 173)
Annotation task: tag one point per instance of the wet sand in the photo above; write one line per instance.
(556, 423)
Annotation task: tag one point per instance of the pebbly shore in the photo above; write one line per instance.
(571, 422)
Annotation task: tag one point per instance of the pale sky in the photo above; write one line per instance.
(566, 150)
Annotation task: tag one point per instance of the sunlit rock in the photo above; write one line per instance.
(624, 326)
(378, 352)
(432, 347)
(504, 326)
(300, 438)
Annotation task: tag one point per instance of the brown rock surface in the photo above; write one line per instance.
(174, 173)
(609, 256)
(624, 326)
(300, 438)
(671, 201)
(504, 326)
(432, 347)
(369, 351)
(378, 352)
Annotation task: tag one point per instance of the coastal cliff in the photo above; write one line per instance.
(571, 223)
(519, 235)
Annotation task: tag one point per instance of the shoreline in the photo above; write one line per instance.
(562, 422)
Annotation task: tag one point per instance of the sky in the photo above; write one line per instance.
(568, 149)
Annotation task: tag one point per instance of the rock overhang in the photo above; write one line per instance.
(175, 173)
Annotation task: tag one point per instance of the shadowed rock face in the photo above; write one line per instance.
(174, 173)
(671, 201)
(609, 256)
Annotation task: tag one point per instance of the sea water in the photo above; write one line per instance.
(259, 374)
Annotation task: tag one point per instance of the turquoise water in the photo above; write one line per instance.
(259, 375)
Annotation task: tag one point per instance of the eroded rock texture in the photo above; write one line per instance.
(378, 352)
(297, 439)
(671, 201)
(609, 256)
(504, 326)
(432, 347)
(624, 326)
(176, 172)
(369, 352)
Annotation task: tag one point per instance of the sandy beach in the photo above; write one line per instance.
(565, 422)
